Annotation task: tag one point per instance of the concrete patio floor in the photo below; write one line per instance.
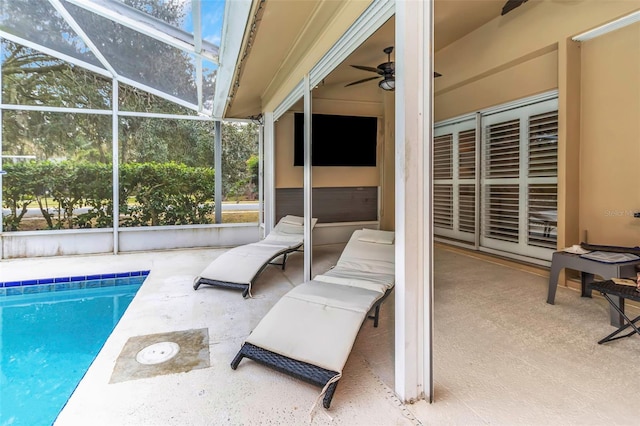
(501, 354)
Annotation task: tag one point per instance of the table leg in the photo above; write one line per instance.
(585, 278)
(554, 273)
(616, 319)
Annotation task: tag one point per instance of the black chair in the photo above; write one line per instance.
(607, 288)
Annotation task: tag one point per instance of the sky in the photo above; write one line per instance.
(212, 12)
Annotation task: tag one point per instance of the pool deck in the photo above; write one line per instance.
(217, 394)
(501, 354)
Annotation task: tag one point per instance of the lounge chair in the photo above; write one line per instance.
(310, 331)
(239, 267)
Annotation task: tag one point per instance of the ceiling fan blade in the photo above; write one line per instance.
(364, 68)
(510, 5)
(361, 81)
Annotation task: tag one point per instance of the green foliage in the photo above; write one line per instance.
(19, 191)
(253, 168)
(73, 194)
(166, 194)
(239, 143)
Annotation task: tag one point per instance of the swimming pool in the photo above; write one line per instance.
(50, 332)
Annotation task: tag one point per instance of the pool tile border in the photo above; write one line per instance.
(44, 285)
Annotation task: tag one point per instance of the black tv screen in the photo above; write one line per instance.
(337, 140)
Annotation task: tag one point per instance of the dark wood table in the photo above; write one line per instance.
(588, 269)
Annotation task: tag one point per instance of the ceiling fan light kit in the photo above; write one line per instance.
(386, 70)
(388, 84)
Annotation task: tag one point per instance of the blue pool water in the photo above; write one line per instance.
(48, 340)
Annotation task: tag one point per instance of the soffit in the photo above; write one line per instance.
(283, 26)
(278, 30)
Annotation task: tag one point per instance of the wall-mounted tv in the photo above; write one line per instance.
(337, 140)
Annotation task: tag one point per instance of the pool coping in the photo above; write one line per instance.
(45, 285)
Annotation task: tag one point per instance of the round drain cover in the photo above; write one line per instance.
(158, 353)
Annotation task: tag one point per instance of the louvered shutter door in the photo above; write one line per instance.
(454, 180)
(519, 180)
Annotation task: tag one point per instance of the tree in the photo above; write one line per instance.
(34, 78)
(239, 143)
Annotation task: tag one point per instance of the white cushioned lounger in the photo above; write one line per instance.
(239, 267)
(310, 331)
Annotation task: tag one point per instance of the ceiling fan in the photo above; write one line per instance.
(386, 70)
(510, 5)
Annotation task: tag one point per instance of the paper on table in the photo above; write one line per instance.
(576, 249)
(610, 257)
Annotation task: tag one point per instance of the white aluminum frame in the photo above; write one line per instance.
(236, 16)
(413, 207)
(148, 25)
(308, 181)
(145, 24)
(608, 27)
(379, 12)
(269, 173)
(115, 169)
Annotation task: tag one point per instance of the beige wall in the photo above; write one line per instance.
(288, 176)
(610, 138)
(503, 86)
(599, 99)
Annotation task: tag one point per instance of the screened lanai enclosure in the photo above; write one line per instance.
(108, 130)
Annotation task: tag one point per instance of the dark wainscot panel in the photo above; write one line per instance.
(330, 205)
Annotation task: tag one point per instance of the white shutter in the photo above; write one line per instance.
(467, 208)
(502, 143)
(443, 157)
(467, 181)
(443, 206)
(454, 180)
(543, 145)
(442, 174)
(519, 180)
(542, 200)
(542, 214)
(502, 171)
(502, 212)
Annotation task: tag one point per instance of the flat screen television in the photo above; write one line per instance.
(337, 140)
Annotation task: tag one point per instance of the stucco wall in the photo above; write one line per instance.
(610, 138)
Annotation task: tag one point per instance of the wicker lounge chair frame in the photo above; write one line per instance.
(301, 370)
(245, 287)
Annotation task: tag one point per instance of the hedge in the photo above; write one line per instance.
(78, 194)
